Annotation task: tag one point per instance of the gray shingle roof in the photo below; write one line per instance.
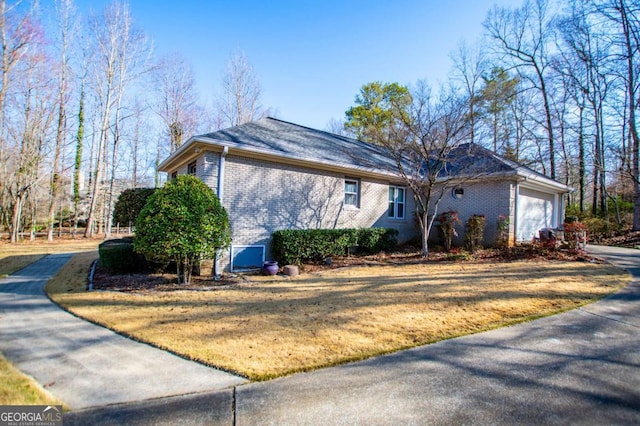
(292, 141)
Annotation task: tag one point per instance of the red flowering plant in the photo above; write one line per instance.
(447, 221)
(575, 235)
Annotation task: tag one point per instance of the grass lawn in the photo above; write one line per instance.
(269, 327)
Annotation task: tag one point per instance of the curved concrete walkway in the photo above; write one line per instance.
(83, 364)
(582, 366)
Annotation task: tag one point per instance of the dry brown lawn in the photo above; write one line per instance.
(268, 327)
(18, 389)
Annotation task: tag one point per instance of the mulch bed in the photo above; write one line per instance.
(141, 282)
(106, 280)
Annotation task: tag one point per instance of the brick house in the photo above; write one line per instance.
(271, 175)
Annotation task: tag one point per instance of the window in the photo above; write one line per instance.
(457, 192)
(246, 258)
(191, 168)
(396, 202)
(351, 192)
(174, 175)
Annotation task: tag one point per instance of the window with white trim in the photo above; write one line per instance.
(397, 195)
(352, 192)
(191, 168)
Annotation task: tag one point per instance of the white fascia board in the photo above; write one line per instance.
(541, 183)
(174, 155)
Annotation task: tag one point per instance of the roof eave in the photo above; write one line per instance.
(544, 182)
(187, 151)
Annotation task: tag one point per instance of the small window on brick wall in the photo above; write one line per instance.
(191, 168)
(396, 202)
(352, 192)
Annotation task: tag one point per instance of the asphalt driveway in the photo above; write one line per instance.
(582, 366)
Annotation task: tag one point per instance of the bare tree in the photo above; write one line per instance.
(176, 100)
(625, 15)
(470, 65)
(27, 132)
(18, 34)
(423, 149)
(523, 37)
(336, 127)
(581, 63)
(65, 21)
(121, 50)
(240, 101)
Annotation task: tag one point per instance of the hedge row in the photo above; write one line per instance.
(294, 246)
(118, 256)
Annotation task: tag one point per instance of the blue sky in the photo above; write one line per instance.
(312, 57)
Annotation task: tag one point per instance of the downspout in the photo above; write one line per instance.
(221, 164)
(223, 155)
(515, 213)
(556, 211)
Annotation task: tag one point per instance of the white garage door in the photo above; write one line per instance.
(535, 211)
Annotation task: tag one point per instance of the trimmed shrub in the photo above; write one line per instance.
(294, 246)
(375, 240)
(118, 256)
(183, 222)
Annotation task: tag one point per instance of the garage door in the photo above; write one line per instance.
(535, 211)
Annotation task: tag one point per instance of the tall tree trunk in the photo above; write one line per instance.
(77, 166)
(549, 121)
(55, 175)
(97, 178)
(581, 161)
(633, 130)
(16, 216)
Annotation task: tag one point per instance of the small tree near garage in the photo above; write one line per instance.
(183, 222)
(424, 143)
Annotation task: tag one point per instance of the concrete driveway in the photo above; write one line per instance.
(83, 364)
(582, 366)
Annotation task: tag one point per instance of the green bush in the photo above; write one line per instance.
(375, 240)
(294, 246)
(129, 205)
(118, 256)
(183, 222)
